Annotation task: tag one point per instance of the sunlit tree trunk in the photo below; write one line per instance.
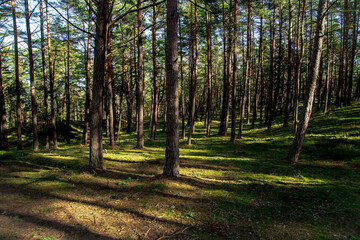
(96, 154)
(32, 80)
(67, 77)
(172, 162)
(109, 73)
(182, 83)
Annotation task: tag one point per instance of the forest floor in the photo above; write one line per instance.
(246, 191)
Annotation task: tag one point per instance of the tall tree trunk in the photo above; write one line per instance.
(234, 79)
(32, 80)
(4, 136)
(289, 69)
(172, 162)
(140, 83)
(193, 75)
(67, 77)
(311, 85)
(269, 115)
(155, 80)
(109, 72)
(17, 80)
(52, 76)
(88, 83)
(246, 72)
(46, 105)
(279, 66)
(353, 53)
(96, 154)
(209, 73)
(226, 83)
(259, 72)
(182, 83)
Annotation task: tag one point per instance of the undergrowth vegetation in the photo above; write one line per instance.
(226, 191)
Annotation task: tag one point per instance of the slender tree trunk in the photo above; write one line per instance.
(32, 80)
(155, 80)
(172, 162)
(289, 69)
(311, 86)
(353, 54)
(269, 115)
(46, 105)
(17, 80)
(279, 67)
(209, 73)
(4, 136)
(67, 78)
(88, 83)
(246, 72)
(226, 83)
(109, 72)
(193, 75)
(182, 83)
(96, 154)
(233, 96)
(140, 83)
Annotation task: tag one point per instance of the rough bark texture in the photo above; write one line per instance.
(67, 79)
(96, 154)
(182, 84)
(140, 84)
(172, 162)
(311, 86)
(32, 80)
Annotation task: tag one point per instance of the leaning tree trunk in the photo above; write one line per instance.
(172, 163)
(32, 80)
(311, 85)
(96, 154)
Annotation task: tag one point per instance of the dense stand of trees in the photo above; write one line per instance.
(189, 61)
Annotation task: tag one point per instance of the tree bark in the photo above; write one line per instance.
(46, 105)
(172, 162)
(67, 78)
(109, 73)
(88, 84)
(96, 154)
(234, 79)
(140, 84)
(182, 84)
(311, 86)
(32, 80)
(246, 72)
(155, 80)
(209, 73)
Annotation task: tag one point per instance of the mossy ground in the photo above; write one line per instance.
(226, 191)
